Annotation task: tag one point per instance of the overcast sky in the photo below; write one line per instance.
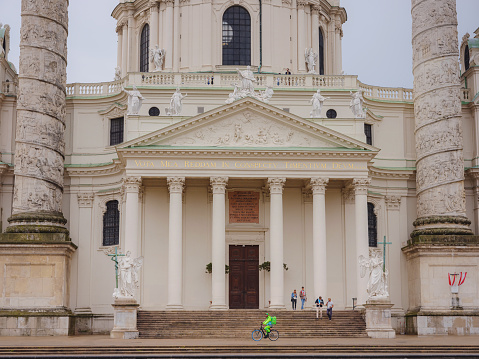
(376, 42)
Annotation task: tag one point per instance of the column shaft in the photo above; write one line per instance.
(175, 243)
(176, 37)
(319, 237)
(168, 33)
(276, 242)
(132, 191)
(301, 36)
(124, 55)
(154, 26)
(218, 279)
(131, 45)
(120, 47)
(315, 32)
(362, 242)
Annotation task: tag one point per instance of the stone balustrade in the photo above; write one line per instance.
(8, 88)
(217, 80)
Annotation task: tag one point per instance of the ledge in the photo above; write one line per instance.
(443, 240)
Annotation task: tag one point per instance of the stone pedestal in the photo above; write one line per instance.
(124, 322)
(378, 319)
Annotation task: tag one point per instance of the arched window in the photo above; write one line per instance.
(144, 48)
(236, 36)
(321, 52)
(372, 226)
(466, 58)
(111, 224)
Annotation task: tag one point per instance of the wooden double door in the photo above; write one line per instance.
(244, 277)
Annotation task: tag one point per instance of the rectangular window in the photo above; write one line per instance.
(368, 131)
(116, 131)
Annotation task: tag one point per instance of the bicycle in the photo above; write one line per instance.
(258, 334)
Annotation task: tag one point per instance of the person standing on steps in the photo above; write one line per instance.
(294, 299)
(303, 297)
(319, 307)
(329, 308)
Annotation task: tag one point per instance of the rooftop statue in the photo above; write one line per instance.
(176, 105)
(317, 100)
(135, 101)
(117, 74)
(157, 56)
(310, 57)
(356, 104)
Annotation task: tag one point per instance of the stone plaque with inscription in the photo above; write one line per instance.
(243, 207)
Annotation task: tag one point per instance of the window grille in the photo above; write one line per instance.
(144, 48)
(466, 58)
(321, 52)
(372, 226)
(116, 131)
(236, 36)
(368, 131)
(111, 224)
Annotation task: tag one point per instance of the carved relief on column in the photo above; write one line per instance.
(218, 184)
(175, 184)
(85, 200)
(393, 202)
(361, 185)
(276, 185)
(39, 143)
(318, 185)
(437, 107)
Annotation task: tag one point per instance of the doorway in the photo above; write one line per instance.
(244, 277)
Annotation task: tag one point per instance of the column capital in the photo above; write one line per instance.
(393, 202)
(131, 184)
(169, 3)
(318, 184)
(276, 184)
(348, 195)
(361, 185)
(315, 9)
(85, 200)
(301, 4)
(175, 184)
(218, 184)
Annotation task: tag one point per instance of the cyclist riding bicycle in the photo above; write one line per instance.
(268, 323)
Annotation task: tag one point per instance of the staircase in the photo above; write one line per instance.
(240, 324)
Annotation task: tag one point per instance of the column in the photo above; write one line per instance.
(441, 204)
(119, 54)
(360, 186)
(40, 127)
(124, 55)
(301, 36)
(393, 259)
(318, 185)
(154, 40)
(276, 242)
(175, 243)
(338, 34)
(168, 32)
(131, 44)
(315, 32)
(85, 220)
(218, 279)
(176, 36)
(131, 186)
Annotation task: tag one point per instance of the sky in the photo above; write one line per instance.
(376, 44)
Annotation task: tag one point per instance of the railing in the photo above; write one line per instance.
(9, 88)
(222, 80)
(465, 95)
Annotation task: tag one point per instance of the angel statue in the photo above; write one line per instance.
(310, 57)
(356, 104)
(134, 101)
(129, 276)
(377, 284)
(157, 56)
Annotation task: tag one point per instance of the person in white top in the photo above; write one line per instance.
(329, 308)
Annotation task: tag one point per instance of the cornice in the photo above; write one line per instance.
(387, 173)
(113, 168)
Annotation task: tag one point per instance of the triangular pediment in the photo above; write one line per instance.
(247, 123)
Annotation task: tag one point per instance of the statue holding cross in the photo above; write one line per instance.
(128, 277)
(377, 283)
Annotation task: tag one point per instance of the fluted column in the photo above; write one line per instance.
(168, 32)
(175, 243)
(315, 31)
(40, 127)
(154, 39)
(124, 54)
(318, 185)
(276, 242)
(218, 279)
(360, 186)
(176, 36)
(119, 53)
(301, 36)
(441, 205)
(131, 187)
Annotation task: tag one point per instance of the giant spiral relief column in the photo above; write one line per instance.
(40, 145)
(441, 205)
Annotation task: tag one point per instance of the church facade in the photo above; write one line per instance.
(233, 198)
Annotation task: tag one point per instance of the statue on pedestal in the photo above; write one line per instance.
(356, 104)
(117, 73)
(377, 284)
(247, 78)
(157, 56)
(317, 101)
(134, 101)
(176, 105)
(129, 276)
(310, 57)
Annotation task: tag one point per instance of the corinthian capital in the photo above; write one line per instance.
(175, 184)
(276, 184)
(318, 184)
(218, 184)
(301, 4)
(361, 185)
(132, 184)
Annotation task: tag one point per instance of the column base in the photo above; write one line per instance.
(174, 307)
(277, 306)
(219, 307)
